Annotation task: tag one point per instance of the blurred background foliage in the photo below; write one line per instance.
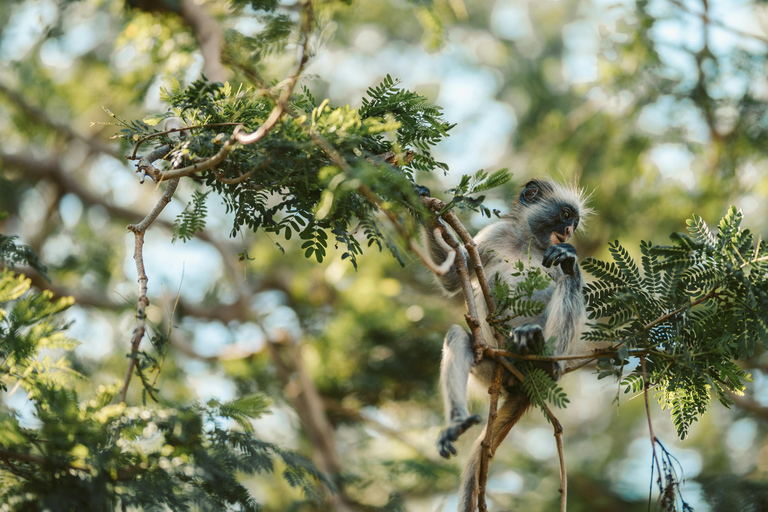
(658, 108)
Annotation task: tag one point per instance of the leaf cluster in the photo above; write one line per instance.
(690, 310)
(12, 253)
(29, 325)
(192, 218)
(481, 181)
(517, 301)
(97, 456)
(421, 123)
(540, 388)
(287, 183)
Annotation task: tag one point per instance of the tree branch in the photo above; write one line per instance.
(306, 400)
(281, 106)
(208, 35)
(479, 343)
(558, 428)
(174, 130)
(488, 442)
(145, 163)
(138, 231)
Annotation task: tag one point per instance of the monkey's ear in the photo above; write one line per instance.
(530, 194)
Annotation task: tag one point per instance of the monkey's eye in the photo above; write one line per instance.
(567, 213)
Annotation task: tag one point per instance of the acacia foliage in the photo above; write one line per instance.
(92, 454)
(287, 184)
(697, 307)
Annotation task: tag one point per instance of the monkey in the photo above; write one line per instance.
(536, 231)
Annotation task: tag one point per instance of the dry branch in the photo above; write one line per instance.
(282, 102)
(306, 400)
(650, 424)
(208, 35)
(281, 106)
(558, 428)
(488, 442)
(138, 230)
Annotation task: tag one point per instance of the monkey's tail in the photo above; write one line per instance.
(509, 414)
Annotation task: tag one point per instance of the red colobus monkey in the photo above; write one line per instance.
(536, 231)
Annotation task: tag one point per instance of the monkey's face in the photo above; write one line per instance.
(551, 210)
(554, 223)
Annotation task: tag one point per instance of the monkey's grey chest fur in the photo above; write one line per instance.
(501, 263)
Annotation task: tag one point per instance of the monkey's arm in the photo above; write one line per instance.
(565, 314)
(450, 280)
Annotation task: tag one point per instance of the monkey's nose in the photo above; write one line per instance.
(568, 231)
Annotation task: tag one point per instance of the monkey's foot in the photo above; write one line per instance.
(452, 433)
(529, 339)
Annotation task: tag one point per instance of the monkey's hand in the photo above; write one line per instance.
(452, 433)
(563, 255)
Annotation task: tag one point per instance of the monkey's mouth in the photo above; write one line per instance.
(561, 239)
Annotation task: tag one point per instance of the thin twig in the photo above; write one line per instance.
(282, 102)
(474, 256)
(479, 344)
(466, 287)
(608, 352)
(663, 318)
(234, 181)
(138, 231)
(158, 175)
(704, 17)
(167, 132)
(650, 424)
(558, 428)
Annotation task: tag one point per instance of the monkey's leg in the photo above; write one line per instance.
(510, 412)
(458, 359)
